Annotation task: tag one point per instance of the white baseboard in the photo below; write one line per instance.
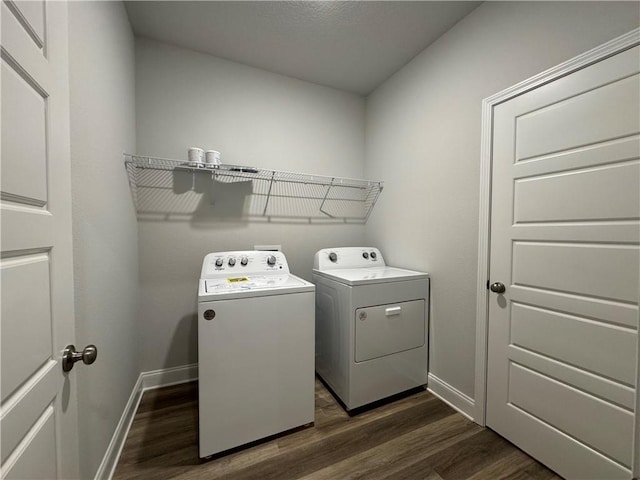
(110, 460)
(146, 381)
(169, 376)
(451, 396)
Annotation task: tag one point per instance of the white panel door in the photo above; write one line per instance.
(565, 232)
(37, 410)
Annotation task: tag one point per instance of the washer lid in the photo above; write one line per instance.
(364, 276)
(251, 286)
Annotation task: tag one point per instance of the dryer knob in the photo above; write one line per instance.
(271, 260)
(219, 262)
(373, 255)
(232, 262)
(333, 257)
(365, 255)
(244, 261)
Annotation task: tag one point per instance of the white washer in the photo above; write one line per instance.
(255, 349)
(371, 325)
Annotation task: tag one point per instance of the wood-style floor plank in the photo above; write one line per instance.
(470, 455)
(517, 465)
(388, 458)
(338, 446)
(412, 437)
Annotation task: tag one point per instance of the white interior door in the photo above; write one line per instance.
(38, 409)
(565, 243)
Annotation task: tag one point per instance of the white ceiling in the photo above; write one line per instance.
(353, 46)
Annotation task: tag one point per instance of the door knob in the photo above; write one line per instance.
(70, 356)
(497, 287)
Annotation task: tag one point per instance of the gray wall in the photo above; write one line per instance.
(253, 117)
(101, 48)
(423, 140)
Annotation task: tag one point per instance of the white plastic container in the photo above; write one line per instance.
(196, 156)
(213, 158)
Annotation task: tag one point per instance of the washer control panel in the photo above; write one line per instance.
(347, 257)
(222, 264)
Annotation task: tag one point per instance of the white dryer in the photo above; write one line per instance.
(371, 325)
(255, 349)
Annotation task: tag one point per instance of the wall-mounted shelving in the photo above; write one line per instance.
(317, 195)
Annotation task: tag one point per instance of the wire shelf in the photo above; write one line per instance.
(154, 180)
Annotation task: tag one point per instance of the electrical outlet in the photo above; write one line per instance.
(268, 248)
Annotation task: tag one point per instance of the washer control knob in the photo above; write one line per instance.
(219, 262)
(232, 262)
(271, 260)
(373, 255)
(244, 261)
(333, 257)
(365, 255)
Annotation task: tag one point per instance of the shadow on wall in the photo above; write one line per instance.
(185, 335)
(204, 201)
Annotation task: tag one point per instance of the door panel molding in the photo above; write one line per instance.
(27, 403)
(31, 16)
(615, 46)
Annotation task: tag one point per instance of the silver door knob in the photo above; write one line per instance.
(70, 356)
(497, 287)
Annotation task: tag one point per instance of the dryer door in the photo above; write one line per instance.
(387, 329)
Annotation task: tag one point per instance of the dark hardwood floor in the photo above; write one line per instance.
(413, 437)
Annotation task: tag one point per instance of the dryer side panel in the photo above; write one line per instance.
(333, 352)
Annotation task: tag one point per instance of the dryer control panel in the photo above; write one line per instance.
(347, 257)
(244, 262)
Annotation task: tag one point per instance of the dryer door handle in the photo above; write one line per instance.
(393, 311)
